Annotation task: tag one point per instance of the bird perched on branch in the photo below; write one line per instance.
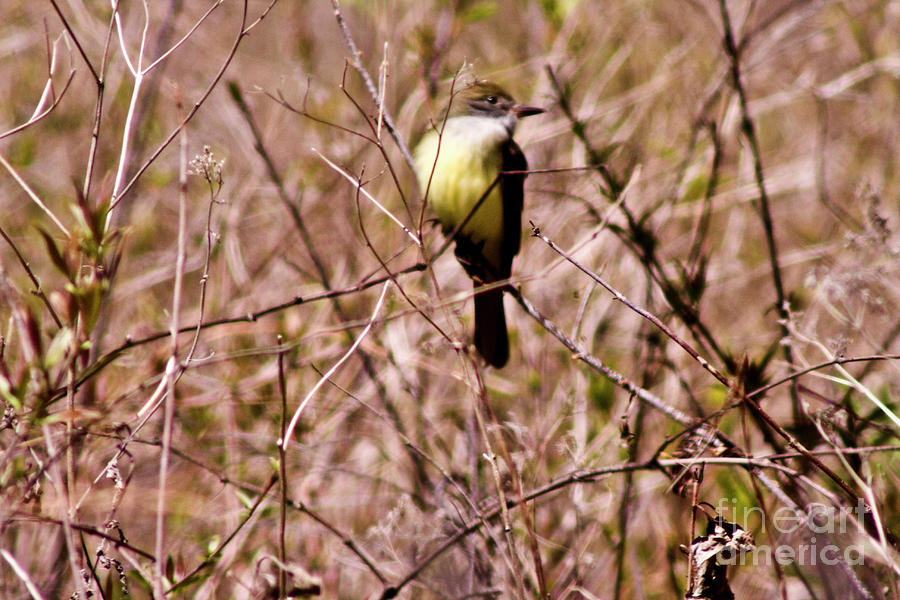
(473, 174)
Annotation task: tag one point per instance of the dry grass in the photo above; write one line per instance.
(393, 478)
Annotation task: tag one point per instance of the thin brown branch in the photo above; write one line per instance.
(243, 32)
(57, 98)
(536, 232)
(823, 365)
(370, 85)
(38, 289)
(282, 476)
(732, 50)
(213, 557)
(729, 383)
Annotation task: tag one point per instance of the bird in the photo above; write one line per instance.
(472, 174)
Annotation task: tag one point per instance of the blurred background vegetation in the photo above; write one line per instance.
(755, 217)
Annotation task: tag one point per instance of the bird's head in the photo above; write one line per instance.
(487, 99)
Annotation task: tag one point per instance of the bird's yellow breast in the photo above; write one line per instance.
(468, 161)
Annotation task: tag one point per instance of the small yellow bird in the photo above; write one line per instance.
(472, 160)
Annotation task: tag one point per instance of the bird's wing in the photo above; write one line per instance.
(512, 186)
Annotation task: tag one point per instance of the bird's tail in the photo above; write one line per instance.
(491, 339)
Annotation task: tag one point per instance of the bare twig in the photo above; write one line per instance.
(38, 289)
(536, 232)
(39, 116)
(583, 355)
(22, 574)
(749, 131)
(840, 360)
(282, 477)
(730, 383)
(172, 375)
(34, 197)
(211, 170)
(72, 554)
(293, 210)
(511, 555)
(295, 419)
(591, 475)
(370, 85)
(353, 180)
(122, 189)
(84, 56)
(107, 359)
(213, 557)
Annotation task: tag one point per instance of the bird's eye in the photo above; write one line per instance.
(491, 99)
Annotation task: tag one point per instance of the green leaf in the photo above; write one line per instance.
(244, 499)
(695, 189)
(23, 150)
(558, 10)
(6, 394)
(479, 12)
(56, 256)
(60, 345)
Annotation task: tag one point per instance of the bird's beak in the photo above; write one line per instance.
(526, 111)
